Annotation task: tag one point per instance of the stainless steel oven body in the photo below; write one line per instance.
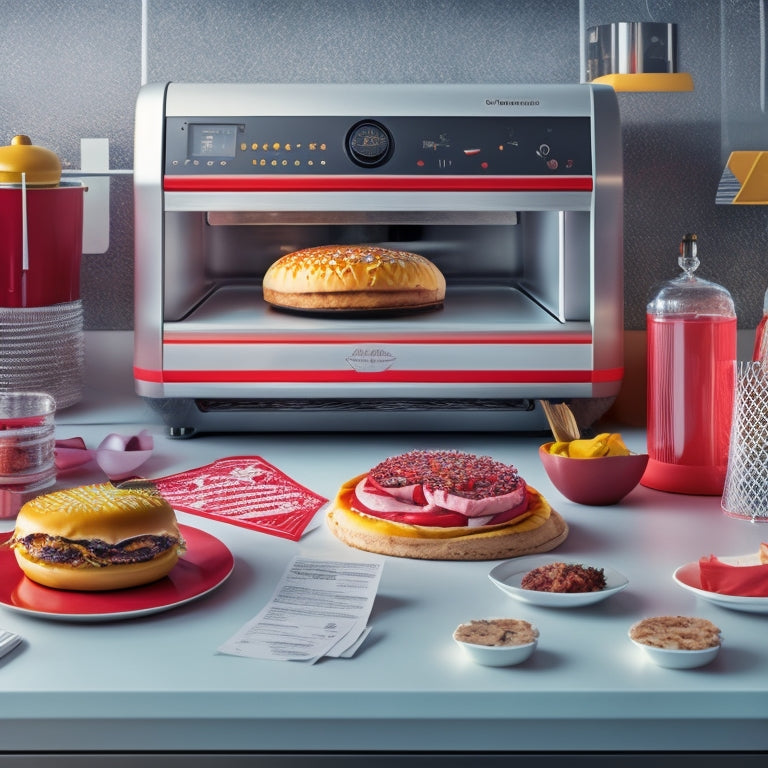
(514, 192)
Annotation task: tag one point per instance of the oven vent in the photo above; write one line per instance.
(186, 417)
(376, 405)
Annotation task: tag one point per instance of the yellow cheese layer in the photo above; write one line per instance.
(536, 515)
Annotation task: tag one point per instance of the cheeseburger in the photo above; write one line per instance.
(353, 277)
(96, 537)
(445, 505)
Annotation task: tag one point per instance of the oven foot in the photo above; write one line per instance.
(181, 432)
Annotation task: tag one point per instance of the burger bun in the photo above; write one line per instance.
(90, 532)
(92, 579)
(353, 277)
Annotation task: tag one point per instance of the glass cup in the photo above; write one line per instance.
(27, 447)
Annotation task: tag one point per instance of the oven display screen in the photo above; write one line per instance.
(212, 140)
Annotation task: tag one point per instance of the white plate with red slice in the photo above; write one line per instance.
(688, 576)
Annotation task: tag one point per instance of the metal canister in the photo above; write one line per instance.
(631, 47)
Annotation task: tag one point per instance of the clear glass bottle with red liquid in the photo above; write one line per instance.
(691, 325)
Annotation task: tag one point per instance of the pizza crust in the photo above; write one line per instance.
(541, 532)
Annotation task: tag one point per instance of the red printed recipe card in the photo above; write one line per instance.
(245, 491)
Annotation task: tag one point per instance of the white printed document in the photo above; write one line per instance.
(319, 608)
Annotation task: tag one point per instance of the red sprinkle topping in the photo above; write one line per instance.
(461, 474)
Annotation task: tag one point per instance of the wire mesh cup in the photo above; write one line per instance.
(745, 495)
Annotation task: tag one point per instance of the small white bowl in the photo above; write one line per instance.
(678, 659)
(498, 655)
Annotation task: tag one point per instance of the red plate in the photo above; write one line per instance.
(204, 566)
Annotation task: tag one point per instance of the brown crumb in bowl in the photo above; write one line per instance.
(680, 633)
(564, 577)
(497, 632)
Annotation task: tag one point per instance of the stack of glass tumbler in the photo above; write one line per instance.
(42, 349)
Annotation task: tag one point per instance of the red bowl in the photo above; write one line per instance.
(595, 482)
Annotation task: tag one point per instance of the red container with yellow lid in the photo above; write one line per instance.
(41, 228)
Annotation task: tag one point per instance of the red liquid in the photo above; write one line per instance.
(690, 401)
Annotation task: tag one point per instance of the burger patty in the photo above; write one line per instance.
(94, 552)
(461, 474)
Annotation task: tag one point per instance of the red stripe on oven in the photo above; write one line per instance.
(377, 183)
(345, 377)
(180, 337)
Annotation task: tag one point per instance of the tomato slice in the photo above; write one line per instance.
(436, 519)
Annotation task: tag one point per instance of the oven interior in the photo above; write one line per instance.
(503, 269)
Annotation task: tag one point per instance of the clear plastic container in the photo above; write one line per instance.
(691, 325)
(27, 447)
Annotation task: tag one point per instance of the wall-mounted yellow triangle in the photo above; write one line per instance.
(751, 169)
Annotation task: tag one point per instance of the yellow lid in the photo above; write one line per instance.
(40, 166)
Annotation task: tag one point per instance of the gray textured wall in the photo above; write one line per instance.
(72, 68)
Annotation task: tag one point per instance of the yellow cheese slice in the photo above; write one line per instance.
(536, 515)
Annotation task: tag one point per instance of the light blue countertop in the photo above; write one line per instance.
(157, 683)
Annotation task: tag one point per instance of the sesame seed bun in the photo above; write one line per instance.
(353, 277)
(96, 537)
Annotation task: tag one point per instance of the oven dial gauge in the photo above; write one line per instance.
(369, 143)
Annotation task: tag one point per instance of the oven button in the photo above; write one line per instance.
(369, 143)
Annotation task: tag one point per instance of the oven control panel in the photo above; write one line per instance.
(494, 146)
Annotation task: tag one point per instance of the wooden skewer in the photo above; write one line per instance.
(561, 420)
